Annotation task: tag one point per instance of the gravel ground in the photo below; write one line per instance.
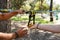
(34, 33)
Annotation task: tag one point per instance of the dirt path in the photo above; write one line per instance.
(34, 34)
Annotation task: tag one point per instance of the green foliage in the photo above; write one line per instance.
(37, 6)
(26, 7)
(42, 21)
(39, 21)
(15, 19)
(57, 7)
(18, 19)
(44, 6)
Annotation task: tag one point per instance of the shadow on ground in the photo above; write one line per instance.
(36, 35)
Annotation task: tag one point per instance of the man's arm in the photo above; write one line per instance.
(51, 28)
(6, 16)
(55, 28)
(9, 36)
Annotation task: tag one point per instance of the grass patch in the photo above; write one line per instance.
(39, 20)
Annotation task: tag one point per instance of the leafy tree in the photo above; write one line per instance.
(16, 4)
(26, 7)
(57, 7)
(36, 5)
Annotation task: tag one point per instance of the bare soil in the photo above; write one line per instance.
(34, 34)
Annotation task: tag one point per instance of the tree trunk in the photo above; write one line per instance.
(4, 24)
(3, 4)
(51, 16)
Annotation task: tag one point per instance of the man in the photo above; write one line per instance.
(4, 20)
(10, 36)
